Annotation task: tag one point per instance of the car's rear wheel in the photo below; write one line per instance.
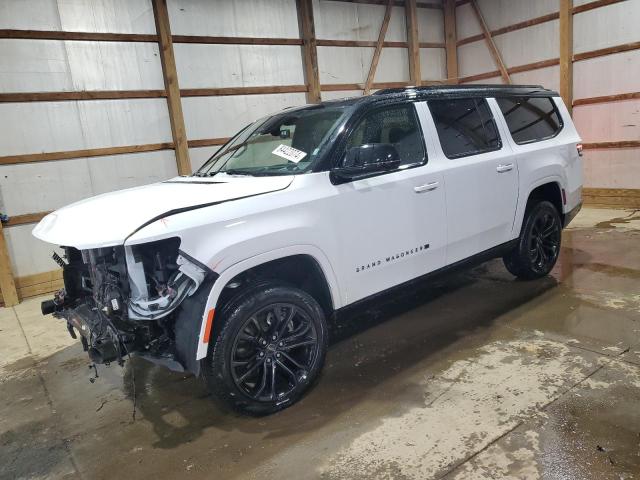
(269, 349)
(539, 244)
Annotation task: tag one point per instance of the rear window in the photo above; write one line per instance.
(530, 119)
(465, 126)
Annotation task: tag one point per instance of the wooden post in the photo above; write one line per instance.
(378, 50)
(450, 39)
(566, 52)
(7, 284)
(309, 49)
(411, 13)
(490, 43)
(170, 75)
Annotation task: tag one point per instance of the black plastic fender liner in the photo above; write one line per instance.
(188, 323)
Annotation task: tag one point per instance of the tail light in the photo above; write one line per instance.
(579, 149)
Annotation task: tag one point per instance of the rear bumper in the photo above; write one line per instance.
(571, 214)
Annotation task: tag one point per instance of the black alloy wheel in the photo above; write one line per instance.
(268, 348)
(273, 352)
(538, 246)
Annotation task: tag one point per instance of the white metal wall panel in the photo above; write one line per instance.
(343, 64)
(33, 66)
(51, 65)
(240, 18)
(337, 20)
(342, 94)
(433, 63)
(212, 117)
(466, 22)
(392, 67)
(547, 77)
(618, 73)
(613, 168)
(58, 126)
(502, 13)
(606, 26)
(201, 66)
(533, 44)
(28, 254)
(430, 25)
(474, 58)
(29, 14)
(200, 155)
(114, 16)
(604, 122)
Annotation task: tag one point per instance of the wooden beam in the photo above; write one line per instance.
(411, 14)
(89, 152)
(511, 70)
(7, 283)
(309, 49)
(625, 47)
(610, 145)
(85, 95)
(566, 53)
(25, 219)
(213, 40)
(619, 97)
(227, 91)
(171, 86)
(450, 40)
(511, 28)
(396, 3)
(208, 142)
(591, 5)
(378, 50)
(358, 43)
(79, 36)
(612, 197)
(341, 87)
(490, 43)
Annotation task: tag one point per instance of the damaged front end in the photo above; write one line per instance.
(125, 299)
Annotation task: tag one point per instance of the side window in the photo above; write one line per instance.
(530, 119)
(397, 125)
(465, 126)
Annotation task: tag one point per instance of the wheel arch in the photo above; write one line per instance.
(323, 282)
(548, 188)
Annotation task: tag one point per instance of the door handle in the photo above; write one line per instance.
(504, 167)
(427, 187)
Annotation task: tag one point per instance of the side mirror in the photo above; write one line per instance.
(366, 160)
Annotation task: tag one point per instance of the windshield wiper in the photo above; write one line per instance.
(238, 171)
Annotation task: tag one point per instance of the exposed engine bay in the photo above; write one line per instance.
(124, 299)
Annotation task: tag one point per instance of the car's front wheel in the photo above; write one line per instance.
(269, 348)
(539, 243)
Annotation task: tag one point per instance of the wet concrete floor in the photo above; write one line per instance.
(475, 375)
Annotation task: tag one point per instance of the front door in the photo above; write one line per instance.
(392, 224)
(481, 176)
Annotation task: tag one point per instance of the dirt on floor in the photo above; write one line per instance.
(475, 375)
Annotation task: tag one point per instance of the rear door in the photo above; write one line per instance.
(481, 175)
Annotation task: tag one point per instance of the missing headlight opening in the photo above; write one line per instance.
(124, 299)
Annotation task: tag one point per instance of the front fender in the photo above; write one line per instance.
(208, 316)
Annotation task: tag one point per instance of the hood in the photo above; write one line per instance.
(108, 219)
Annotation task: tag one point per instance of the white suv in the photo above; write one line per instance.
(233, 271)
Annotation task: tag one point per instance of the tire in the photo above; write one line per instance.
(269, 349)
(539, 243)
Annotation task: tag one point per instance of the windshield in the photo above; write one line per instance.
(283, 144)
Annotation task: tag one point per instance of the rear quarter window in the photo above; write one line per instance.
(530, 119)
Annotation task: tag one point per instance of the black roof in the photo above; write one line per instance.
(471, 91)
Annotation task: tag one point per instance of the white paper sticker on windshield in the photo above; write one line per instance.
(292, 154)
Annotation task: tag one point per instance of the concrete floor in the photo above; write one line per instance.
(473, 376)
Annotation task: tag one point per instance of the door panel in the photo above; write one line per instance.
(481, 176)
(394, 224)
